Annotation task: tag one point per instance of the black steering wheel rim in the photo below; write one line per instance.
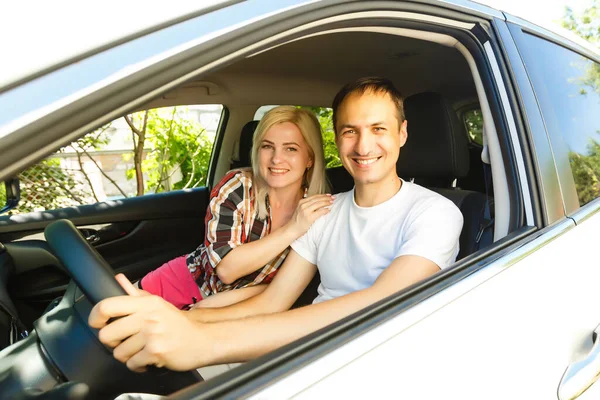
(95, 278)
(83, 263)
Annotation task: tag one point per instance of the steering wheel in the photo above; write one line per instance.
(83, 263)
(66, 346)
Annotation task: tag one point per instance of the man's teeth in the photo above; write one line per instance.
(366, 162)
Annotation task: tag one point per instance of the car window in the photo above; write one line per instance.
(568, 89)
(324, 114)
(151, 151)
(473, 120)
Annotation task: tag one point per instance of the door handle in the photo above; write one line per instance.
(91, 235)
(582, 374)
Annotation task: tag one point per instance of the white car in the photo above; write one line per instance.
(504, 119)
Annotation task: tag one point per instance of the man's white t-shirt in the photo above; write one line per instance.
(352, 245)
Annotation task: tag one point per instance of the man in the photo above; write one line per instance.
(379, 238)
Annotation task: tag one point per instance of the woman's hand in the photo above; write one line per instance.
(307, 212)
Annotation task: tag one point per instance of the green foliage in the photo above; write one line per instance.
(324, 114)
(586, 167)
(586, 24)
(586, 172)
(179, 146)
(178, 158)
(474, 122)
(2, 195)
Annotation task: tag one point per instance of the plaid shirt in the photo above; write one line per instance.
(231, 221)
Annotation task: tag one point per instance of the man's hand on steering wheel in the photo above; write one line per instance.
(148, 331)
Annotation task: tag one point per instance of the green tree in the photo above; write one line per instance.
(177, 145)
(474, 121)
(587, 25)
(586, 167)
(325, 117)
(165, 145)
(586, 172)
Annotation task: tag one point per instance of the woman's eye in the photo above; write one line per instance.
(292, 149)
(266, 146)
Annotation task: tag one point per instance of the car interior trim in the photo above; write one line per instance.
(499, 181)
(475, 47)
(218, 144)
(439, 38)
(513, 133)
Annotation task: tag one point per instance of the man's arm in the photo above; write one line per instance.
(167, 338)
(292, 278)
(239, 336)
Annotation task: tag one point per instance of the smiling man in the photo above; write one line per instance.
(379, 238)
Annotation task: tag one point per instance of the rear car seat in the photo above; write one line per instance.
(245, 146)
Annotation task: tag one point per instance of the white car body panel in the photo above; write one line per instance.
(525, 325)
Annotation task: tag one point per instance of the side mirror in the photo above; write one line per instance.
(13, 194)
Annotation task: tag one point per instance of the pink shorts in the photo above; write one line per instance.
(173, 282)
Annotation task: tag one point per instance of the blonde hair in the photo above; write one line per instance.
(308, 124)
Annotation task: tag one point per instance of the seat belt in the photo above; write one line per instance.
(485, 232)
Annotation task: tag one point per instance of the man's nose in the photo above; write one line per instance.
(364, 143)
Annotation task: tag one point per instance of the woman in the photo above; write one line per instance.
(253, 216)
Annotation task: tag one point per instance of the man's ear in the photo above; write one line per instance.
(403, 132)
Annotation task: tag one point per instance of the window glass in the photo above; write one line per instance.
(151, 151)
(568, 89)
(324, 115)
(473, 121)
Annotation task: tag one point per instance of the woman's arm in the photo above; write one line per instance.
(230, 297)
(249, 257)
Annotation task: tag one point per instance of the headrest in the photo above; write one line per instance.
(246, 143)
(437, 145)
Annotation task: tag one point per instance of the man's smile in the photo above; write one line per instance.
(364, 162)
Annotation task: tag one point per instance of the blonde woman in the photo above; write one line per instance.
(253, 216)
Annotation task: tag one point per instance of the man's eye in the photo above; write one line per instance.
(349, 131)
(379, 129)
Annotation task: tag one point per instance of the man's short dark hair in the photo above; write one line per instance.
(373, 84)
